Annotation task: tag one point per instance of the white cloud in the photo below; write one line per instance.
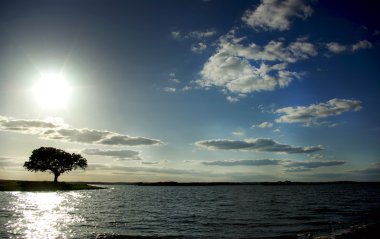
(311, 115)
(265, 125)
(258, 144)
(242, 69)
(337, 48)
(232, 99)
(238, 133)
(174, 80)
(169, 89)
(123, 154)
(276, 14)
(48, 129)
(361, 45)
(176, 35)
(200, 35)
(199, 47)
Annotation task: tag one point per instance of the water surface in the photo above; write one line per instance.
(189, 211)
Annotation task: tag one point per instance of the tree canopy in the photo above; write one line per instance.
(55, 160)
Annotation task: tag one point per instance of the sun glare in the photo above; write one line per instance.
(52, 91)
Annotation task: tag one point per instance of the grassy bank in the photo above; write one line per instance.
(35, 186)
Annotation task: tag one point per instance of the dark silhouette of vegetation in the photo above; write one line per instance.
(55, 160)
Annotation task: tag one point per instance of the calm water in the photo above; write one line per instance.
(191, 212)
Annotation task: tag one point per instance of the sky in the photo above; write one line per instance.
(195, 90)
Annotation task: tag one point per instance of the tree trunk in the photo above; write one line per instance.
(56, 175)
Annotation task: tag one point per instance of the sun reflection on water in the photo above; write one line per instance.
(43, 215)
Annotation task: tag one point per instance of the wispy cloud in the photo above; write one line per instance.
(52, 130)
(200, 35)
(336, 48)
(313, 164)
(169, 89)
(199, 47)
(311, 115)
(276, 14)
(258, 162)
(173, 78)
(258, 144)
(264, 125)
(123, 154)
(289, 166)
(149, 162)
(364, 44)
(8, 162)
(373, 170)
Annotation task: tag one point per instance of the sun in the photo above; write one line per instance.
(52, 91)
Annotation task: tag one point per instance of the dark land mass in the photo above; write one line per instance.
(42, 186)
(15, 185)
(230, 183)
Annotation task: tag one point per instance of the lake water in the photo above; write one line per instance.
(189, 212)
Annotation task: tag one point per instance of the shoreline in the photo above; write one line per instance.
(43, 186)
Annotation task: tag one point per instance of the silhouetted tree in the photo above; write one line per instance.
(55, 160)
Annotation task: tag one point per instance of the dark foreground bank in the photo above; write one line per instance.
(38, 186)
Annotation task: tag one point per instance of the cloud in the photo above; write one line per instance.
(9, 162)
(238, 133)
(26, 126)
(124, 154)
(258, 144)
(276, 14)
(361, 45)
(311, 115)
(337, 48)
(297, 170)
(239, 68)
(265, 125)
(232, 99)
(259, 162)
(373, 170)
(200, 35)
(199, 47)
(53, 130)
(176, 35)
(149, 162)
(169, 89)
(315, 156)
(117, 169)
(312, 164)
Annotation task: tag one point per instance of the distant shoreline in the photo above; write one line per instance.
(173, 183)
(43, 186)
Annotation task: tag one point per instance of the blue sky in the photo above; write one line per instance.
(192, 90)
